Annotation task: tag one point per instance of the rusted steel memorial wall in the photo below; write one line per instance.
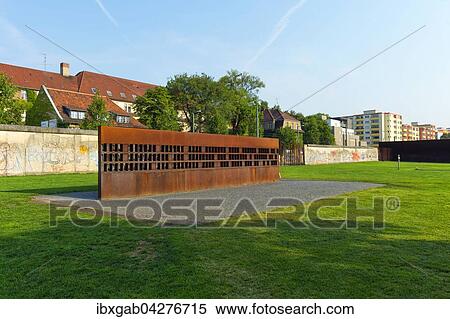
(139, 162)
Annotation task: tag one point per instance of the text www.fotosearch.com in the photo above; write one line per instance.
(217, 309)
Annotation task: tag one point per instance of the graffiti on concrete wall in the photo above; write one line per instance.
(23, 153)
(9, 158)
(317, 154)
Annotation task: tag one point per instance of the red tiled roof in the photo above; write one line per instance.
(115, 85)
(288, 116)
(81, 101)
(279, 115)
(34, 79)
(83, 82)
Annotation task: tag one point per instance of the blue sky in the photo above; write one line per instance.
(294, 46)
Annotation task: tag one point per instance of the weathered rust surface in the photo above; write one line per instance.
(434, 151)
(138, 162)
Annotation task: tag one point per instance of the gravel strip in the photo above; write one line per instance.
(259, 195)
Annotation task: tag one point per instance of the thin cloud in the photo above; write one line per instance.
(276, 32)
(107, 13)
(110, 17)
(15, 45)
(13, 34)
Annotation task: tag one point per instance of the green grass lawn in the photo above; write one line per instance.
(409, 258)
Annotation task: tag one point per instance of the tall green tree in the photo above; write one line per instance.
(202, 102)
(31, 96)
(289, 138)
(156, 110)
(97, 114)
(227, 105)
(317, 130)
(12, 107)
(242, 95)
(41, 110)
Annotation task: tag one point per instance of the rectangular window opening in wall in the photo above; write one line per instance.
(148, 157)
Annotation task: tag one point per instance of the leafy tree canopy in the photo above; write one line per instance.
(317, 130)
(289, 138)
(12, 107)
(243, 89)
(31, 96)
(198, 96)
(228, 105)
(97, 114)
(156, 110)
(243, 80)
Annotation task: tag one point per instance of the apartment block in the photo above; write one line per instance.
(374, 126)
(410, 132)
(344, 136)
(441, 131)
(426, 131)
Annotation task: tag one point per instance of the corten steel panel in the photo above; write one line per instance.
(437, 151)
(138, 162)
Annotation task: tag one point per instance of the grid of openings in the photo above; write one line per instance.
(149, 157)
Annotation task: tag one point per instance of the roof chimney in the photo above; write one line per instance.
(64, 69)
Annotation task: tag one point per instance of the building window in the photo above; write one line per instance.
(77, 115)
(94, 90)
(123, 95)
(128, 108)
(122, 119)
(23, 94)
(109, 93)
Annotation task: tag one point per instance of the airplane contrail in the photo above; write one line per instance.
(276, 32)
(107, 13)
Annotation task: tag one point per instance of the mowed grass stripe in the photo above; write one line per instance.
(409, 258)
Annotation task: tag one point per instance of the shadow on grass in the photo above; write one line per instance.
(130, 262)
(53, 190)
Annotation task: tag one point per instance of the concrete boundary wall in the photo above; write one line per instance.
(30, 150)
(330, 154)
